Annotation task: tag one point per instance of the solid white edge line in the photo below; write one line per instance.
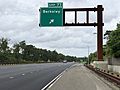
(53, 83)
(55, 79)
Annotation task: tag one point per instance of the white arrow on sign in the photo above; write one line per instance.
(51, 21)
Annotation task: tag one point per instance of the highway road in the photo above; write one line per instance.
(29, 76)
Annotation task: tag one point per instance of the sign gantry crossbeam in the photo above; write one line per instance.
(87, 10)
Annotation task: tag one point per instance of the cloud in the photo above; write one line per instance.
(19, 21)
(111, 15)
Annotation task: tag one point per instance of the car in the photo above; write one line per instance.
(64, 61)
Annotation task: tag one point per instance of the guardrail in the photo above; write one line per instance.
(110, 76)
(6, 64)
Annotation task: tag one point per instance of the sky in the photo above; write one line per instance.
(19, 20)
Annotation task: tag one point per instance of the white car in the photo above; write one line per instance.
(65, 61)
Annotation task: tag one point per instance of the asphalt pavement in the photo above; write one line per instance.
(29, 76)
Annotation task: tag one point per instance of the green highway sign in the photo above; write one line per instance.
(51, 16)
(55, 5)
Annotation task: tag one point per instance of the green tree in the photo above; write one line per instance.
(60, 57)
(4, 45)
(4, 50)
(16, 52)
(22, 45)
(28, 52)
(93, 56)
(114, 42)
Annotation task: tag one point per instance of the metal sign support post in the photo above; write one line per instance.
(99, 33)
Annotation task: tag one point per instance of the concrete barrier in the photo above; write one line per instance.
(114, 61)
(100, 64)
(114, 68)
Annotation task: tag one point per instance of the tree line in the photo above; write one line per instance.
(23, 53)
(112, 47)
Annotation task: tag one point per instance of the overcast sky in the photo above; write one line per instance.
(19, 20)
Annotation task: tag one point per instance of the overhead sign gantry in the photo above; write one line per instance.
(54, 15)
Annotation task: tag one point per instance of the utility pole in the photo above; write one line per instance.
(88, 56)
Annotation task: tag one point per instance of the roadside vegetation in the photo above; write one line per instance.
(23, 53)
(112, 47)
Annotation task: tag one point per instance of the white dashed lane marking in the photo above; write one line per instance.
(23, 74)
(11, 77)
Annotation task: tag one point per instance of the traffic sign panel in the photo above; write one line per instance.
(55, 4)
(51, 17)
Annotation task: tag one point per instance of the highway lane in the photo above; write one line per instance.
(29, 76)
